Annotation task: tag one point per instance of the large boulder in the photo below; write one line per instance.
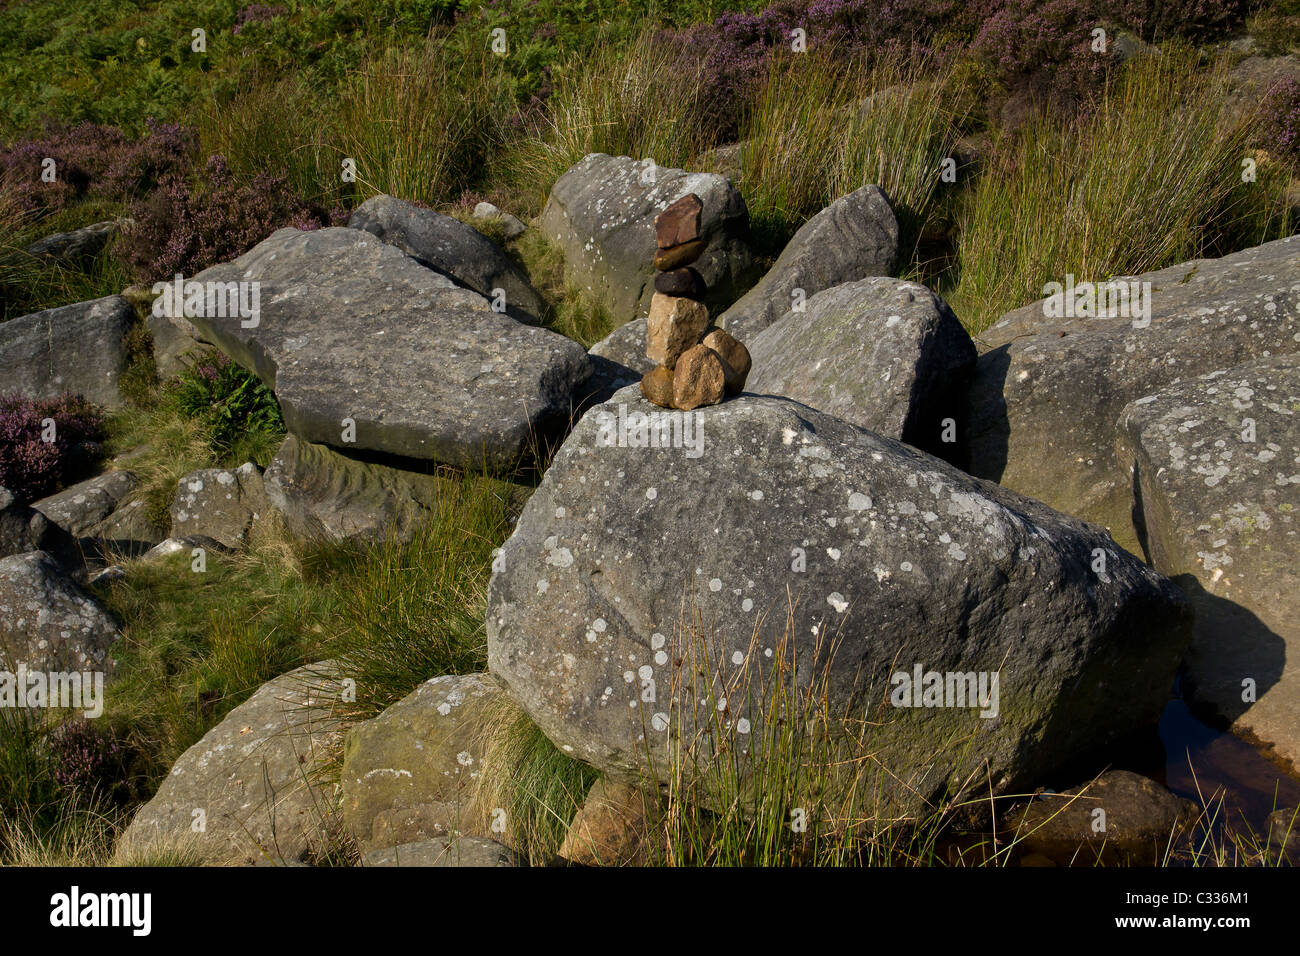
(1048, 392)
(411, 774)
(222, 503)
(601, 213)
(854, 237)
(452, 248)
(250, 790)
(881, 353)
(788, 530)
(353, 331)
(79, 348)
(324, 494)
(1216, 464)
(47, 622)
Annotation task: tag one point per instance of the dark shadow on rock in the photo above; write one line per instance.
(988, 428)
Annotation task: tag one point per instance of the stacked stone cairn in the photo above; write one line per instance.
(695, 364)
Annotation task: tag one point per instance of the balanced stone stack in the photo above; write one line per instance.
(695, 364)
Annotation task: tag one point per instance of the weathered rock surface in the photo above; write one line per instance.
(1139, 823)
(700, 378)
(673, 326)
(79, 348)
(1216, 464)
(452, 248)
(411, 774)
(601, 213)
(47, 622)
(463, 851)
(248, 783)
(1046, 396)
(854, 237)
(899, 557)
(221, 503)
(657, 386)
(83, 506)
(351, 328)
(617, 360)
(512, 227)
(324, 494)
(881, 353)
(23, 529)
(611, 828)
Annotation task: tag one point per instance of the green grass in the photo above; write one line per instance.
(1152, 178)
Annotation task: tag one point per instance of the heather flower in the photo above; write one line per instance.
(31, 467)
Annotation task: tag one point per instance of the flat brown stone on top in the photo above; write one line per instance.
(679, 222)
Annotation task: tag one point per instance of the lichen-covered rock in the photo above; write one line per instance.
(324, 494)
(1216, 461)
(359, 341)
(1047, 394)
(249, 791)
(78, 509)
(221, 503)
(412, 773)
(854, 237)
(452, 248)
(22, 528)
(461, 851)
(791, 525)
(601, 212)
(881, 353)
(47, 622)
(79, 348)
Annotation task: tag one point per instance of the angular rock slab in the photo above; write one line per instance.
(452, 248)
(1046, 396)
(47, 622)
(881, 353)
(854, 237)
(251, 777)
(78, 348)
(905, 561)
(411, 774)
(601, 213)
(324, 494)
(221, 503)
(1221, 516)
(80, 508)
(350, 328)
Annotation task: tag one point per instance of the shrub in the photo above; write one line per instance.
(185, 226)
(230, 402)
(89, 763)
(1280, 127)
(30, 466)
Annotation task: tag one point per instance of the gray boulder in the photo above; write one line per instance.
(1216, 464)
(790, 530)
(881, 353)
(352, 329)
(512, 227)
(47, 622)
(617, 360)
(455, 852)
(412, 773)
(1047, 394)
(324, 494)
(601, 213)
(854, 237)
(452, 248)
(79, 348)
(22, 528)
(83, 506)
(221, 503)
(249, 791)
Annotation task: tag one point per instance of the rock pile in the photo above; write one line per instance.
(694, 365)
